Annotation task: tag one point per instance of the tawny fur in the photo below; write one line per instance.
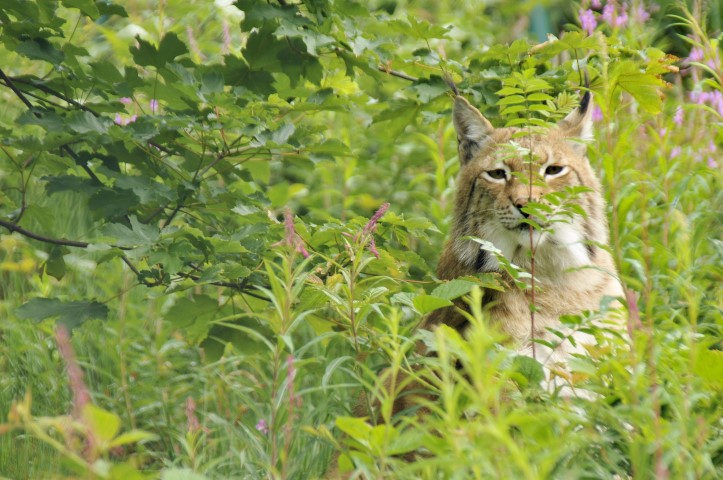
(573, 269)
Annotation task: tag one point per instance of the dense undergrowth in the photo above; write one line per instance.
(236, 211)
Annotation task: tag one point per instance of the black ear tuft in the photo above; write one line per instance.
(585, 102)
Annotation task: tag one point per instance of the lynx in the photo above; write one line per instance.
(573, 269)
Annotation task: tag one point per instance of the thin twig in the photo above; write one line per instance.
(395, 73)
(41, 238)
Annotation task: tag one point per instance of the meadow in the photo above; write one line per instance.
(220, 222)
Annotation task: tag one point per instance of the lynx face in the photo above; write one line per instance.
(501, 173)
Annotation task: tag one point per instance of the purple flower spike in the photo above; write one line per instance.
(292, 238)
(678, 117)
(587, 20)
(371, 226)
(262, 427)
(154, 105)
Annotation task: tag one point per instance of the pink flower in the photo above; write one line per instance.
(641, 15)
(621, 20)
(126, 101)
(678, 117)
(614, 18)
(696, 55)
(81, 395)
(371, 226)
(153, 104)
(596, 4)
(192, 420)
(675, 152)
(262, 427)
(608, 14)
(597, 115)
(712, 163)
(292, 238)
(226, 38)
(123, 121)
(587, 20)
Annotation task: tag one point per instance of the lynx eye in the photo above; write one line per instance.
(553, 170)
(497, 174)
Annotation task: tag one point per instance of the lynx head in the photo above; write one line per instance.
(502, 172)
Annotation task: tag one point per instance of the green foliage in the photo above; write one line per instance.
(151, 157)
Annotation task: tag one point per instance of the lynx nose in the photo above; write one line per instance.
(519, 204)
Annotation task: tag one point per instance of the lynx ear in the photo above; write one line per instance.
(473, 129)
(577, 126)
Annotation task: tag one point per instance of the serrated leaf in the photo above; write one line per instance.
(87, 7)
(453, 289)
(148, 55)
(139, 234)
(70, 314)
(40, 49)
(86, 122)
(530, 369)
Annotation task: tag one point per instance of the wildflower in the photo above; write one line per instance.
(613, 18)
(596, 4)
(292, 238)
(597, 115)
(123, 121)
(696, 55)
(371, 226)
(675, 152)
(81, 395)
(641, 15)
(226, 38)
(587, 20)
(608, 14)
(678, 117)
(154, 105)
(126, 101)
(262, 427)
(192, 419)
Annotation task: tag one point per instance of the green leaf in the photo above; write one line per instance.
(138, 235)
(453, 289)
(87, 7)
(709, 367)
(55, 264)
(194, 316)
(169, 48)
(181, 474)
(86, 122)
(427, 303)
(104, 425)
(133, 436)
(40, 49)
(355, 427)
(530, 371)
(70, 314)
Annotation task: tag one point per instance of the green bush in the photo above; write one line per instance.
(236, 209)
